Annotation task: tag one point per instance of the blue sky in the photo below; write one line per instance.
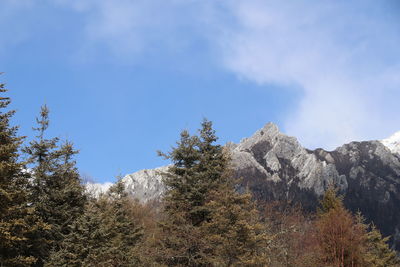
(122, 78)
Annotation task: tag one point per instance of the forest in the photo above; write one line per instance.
(48, 218)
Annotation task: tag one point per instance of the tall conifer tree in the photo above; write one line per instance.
(57, 194)
(17, 221)
(107, 234)
(233, 233)
(197, 190)
(378, 252)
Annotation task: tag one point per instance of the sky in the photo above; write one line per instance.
(122, 78)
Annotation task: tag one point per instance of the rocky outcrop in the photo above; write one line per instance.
(145, 185)
(275, 166)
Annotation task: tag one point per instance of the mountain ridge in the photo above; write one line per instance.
(277, 167)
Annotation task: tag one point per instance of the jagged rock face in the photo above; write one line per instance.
(276, 167)
(145, 185)
(373, 176)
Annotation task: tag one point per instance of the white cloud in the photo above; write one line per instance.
(12, 32)
(341, 55)
(131, 28)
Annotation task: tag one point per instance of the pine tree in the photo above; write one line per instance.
(184, 203)
(105, 235)
(198, 166)
(86, 237)
(330, 201)
(124, 234)
(234, 234)
(378, 252)
(17, 219)
(198, 187)
(56, 191)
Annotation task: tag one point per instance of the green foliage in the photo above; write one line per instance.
(331, 200)
(17, 219)
(378, 253)
(56, 191)
(107, 234)
(198, 165)
(199, 205)
(234, 234)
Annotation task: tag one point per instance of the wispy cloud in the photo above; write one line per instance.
(132, 28)
(12, 32)
(342, 55)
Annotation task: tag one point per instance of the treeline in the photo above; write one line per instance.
(48, 219)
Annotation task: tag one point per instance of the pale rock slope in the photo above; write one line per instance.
(96, 189)
(145, 185)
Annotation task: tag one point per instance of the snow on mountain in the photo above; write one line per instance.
(393, 143)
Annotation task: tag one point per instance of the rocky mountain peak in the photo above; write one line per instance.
(269, 132)
(269, 140)
(276, 160)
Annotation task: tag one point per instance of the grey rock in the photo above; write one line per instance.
(145, 185)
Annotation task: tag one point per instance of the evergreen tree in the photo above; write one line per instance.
(188, 180)
(378, 253)
(106, 235)
(122, 229)
(17, 221)
(198, 165)
(86, 236)
(198, 187)
(56, 192)
(330, 201)
(234, 234)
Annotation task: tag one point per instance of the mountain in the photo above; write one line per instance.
(275, 166)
